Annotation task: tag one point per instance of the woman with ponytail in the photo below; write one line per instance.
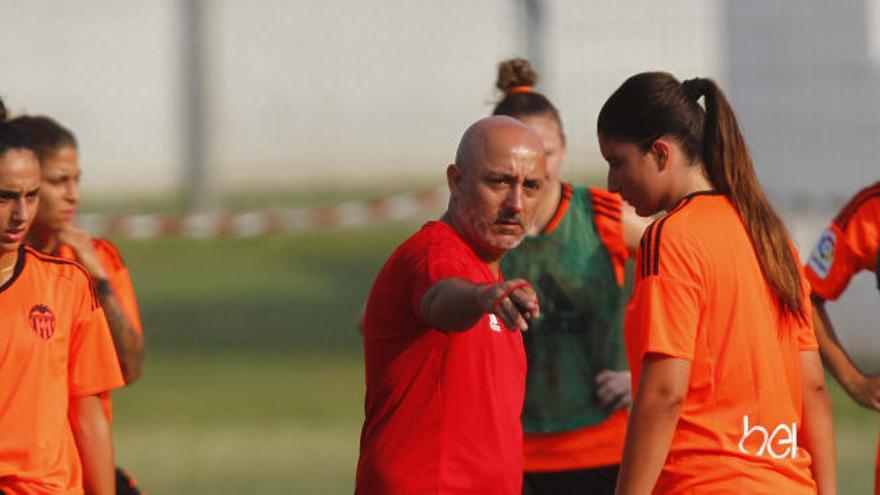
(729, 391)
(577, 385)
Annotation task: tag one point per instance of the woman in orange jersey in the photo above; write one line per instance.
(729, 390)
(577, 388)
(848, 246)
(53, 232)
(56, 354)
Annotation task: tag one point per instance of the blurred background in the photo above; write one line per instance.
(254, 380)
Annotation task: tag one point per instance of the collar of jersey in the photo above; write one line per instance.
(19, 267)
(561, 208)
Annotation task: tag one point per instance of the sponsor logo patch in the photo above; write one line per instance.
(822, 256)
(779, 443)
(42, 321)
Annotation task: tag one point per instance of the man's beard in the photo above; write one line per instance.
(480, 227)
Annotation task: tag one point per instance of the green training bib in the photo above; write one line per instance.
(579, 331)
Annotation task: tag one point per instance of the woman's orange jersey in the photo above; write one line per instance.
(849, 245)
(117, 276)
(700, 296)
(120, 281)
(54, 345)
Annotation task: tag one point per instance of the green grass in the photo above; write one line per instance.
(230, 423)
(254, 379)
(299, 292)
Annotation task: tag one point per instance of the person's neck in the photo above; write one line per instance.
(693, 182)
(489, 259)
(547, 207)
(8, 261)
(43, 240)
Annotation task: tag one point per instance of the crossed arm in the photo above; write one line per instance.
(129, 344)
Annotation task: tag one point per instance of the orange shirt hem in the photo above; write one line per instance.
(583, 448)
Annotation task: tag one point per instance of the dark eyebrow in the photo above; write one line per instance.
(7, 194)
(500, 175)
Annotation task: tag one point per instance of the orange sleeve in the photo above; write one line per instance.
(848, 246)
(608, 218)
(665, 307)
(120, 281)
(92, 366)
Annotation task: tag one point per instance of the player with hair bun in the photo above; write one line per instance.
(577, 389)
(53, 232)
(729, 391)
(848, 246)
(57, 355)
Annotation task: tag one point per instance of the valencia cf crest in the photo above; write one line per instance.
(42, 321)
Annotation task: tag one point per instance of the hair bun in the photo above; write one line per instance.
(694, 88)
(3, 113)
(515, 75)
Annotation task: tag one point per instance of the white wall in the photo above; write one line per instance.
(106, 70)
(347, 90)
(303, 92)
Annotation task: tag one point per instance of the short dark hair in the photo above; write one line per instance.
(46, 135)
(10, 136)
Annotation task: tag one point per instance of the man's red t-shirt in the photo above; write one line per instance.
(442, 408)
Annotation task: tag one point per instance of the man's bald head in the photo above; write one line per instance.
(495, 183)
(498, 133)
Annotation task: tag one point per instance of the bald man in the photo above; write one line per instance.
(444, 357)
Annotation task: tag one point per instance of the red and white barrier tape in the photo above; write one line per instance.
(252, 224)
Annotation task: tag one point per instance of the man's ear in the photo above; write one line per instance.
(662, 150)
(454, 174)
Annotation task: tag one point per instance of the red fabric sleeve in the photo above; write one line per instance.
(429, 271)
